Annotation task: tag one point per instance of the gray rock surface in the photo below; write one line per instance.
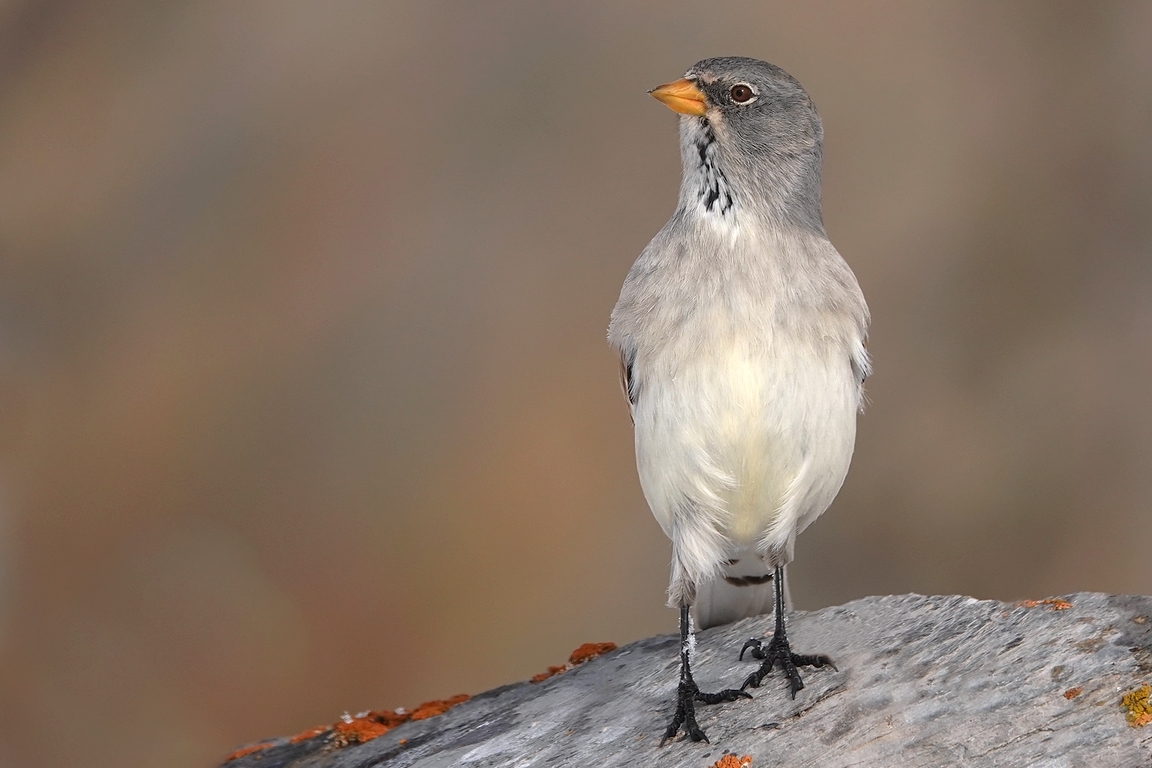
(922, 681)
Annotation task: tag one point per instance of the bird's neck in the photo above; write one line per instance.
(782, 188)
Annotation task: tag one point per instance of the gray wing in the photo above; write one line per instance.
(628, 381)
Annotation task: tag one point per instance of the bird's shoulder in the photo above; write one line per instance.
(688, 271)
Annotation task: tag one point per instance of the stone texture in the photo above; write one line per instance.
(922, 681)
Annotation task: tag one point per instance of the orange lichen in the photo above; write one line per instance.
(590, 651)
(1138, 705)
(438, 707)
(363, 727)
(247, 750)
(389, 718)
(357, 730)
(1053, 603)
(541, 677)
(375, 723)
(308, 734)
(582, 654)
(731, 761)
(1072, 693)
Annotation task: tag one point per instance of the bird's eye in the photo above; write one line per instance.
(741, 94)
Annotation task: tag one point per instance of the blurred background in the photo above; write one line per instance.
(305, 400)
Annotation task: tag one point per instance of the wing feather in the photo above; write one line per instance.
(628, 381)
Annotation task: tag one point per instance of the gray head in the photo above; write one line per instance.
(750, 137)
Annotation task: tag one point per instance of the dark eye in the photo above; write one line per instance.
(741, 94)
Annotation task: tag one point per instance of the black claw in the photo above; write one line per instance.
(818, 661)
(687, 694)
(795, 682)
(755, 645)
(752, 681)
(674, 726)
(778, 653)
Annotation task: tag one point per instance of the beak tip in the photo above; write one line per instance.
(681, 96)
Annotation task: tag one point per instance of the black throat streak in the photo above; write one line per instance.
(715, 192)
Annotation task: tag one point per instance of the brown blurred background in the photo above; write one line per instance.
(305, 402)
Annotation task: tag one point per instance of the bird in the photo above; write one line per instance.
(742, 340)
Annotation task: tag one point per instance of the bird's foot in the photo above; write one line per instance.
(777, 651)
(687, 694)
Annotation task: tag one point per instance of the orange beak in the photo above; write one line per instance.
(681, 96)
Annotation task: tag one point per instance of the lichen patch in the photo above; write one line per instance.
(1138, 709)
(584, 653)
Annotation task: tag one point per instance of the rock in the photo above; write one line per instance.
(922, 681)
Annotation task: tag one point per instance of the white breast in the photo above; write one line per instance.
(743, 441)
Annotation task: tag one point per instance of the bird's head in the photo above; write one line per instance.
(755, 122)
(750, 103)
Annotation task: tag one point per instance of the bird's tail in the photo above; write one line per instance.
(743, 588)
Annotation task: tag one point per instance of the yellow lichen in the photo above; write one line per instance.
(1053, 603)
(1139, 709)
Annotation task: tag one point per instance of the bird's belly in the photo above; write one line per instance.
(734, 429)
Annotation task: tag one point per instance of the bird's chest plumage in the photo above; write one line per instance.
(737, 402)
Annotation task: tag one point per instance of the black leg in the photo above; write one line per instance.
(687, 694)
(778, 650)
